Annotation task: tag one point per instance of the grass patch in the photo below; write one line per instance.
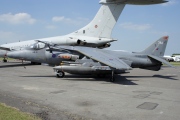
(7, 59)
(9, 113)
(175, 63)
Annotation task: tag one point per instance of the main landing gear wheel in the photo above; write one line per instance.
(101, 75)
(112, 77)
(4, 60)
(35, 63)
(60, 74)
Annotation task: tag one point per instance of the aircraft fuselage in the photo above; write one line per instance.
(134, 60)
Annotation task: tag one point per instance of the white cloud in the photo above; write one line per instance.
(51, 27)
(75, 21)
(62, 19)
(19, 18)
(160, 33)
(171, 2)
(58, 19)
(132, 26)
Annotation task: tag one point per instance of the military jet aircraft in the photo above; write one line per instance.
(96, 34)
(85, 60)
(103, 62)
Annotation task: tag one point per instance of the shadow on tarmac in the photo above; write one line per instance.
(166, 77)
(118, 79)
(169, 77)
(16, 65)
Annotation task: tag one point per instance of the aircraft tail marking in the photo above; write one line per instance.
(157, 48)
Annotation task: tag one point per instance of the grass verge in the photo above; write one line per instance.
(7, 58)
(175, 63)
(10, 113)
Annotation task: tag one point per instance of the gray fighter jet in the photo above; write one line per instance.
(103, 62)
(85, 60)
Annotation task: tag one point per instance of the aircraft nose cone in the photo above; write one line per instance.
(2, 53)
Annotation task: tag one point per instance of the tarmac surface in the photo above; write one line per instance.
(138, 95)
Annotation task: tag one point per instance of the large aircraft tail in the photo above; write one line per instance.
(156, 52)
(157, 48)
(103, 23)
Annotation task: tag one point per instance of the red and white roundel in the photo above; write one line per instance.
(96, 26)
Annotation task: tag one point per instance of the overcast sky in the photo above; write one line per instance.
(137, 27)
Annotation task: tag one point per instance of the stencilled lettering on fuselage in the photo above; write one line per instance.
(141, 56)
(160, 42)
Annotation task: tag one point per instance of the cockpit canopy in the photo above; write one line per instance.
(38, 46)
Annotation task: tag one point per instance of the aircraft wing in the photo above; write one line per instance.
(136, 2)
(4, 48)
(103, 57)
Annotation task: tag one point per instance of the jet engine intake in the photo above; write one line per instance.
(105, 45)
(80, 42)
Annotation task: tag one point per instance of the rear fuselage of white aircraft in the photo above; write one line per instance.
(62, 40)
(71, 40)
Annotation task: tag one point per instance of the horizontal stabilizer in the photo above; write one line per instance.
(4, 48)
(160, 60)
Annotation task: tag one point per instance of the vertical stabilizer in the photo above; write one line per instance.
(104, 21)
(157, 48)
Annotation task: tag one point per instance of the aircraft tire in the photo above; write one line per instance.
(101, 75)
(4, 60)
(35, 63)
(112, 79)
(60, 74)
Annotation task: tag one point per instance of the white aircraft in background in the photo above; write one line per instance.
(169, 58)
(96, 34)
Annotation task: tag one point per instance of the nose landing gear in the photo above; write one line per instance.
(4, 60)
(60, 74)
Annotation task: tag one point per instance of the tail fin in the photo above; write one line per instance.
(157, 48)
(104, 21)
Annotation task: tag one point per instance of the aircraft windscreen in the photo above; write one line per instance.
(38, 46)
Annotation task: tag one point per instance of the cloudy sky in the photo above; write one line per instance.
(137, 27)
